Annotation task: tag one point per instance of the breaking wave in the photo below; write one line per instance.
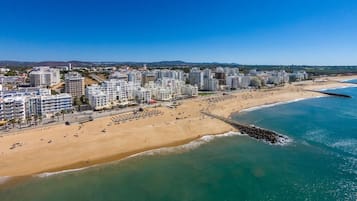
(47, 174)
(275, 104)
(187, 147)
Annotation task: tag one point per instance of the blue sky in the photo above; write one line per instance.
(315, 32)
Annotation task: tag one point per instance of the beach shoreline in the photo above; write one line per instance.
(174, 128)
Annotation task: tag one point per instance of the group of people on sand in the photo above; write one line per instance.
(135, 115)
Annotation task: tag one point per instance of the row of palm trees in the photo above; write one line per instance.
(35, 119)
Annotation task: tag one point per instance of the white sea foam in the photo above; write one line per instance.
(275, 104)
(348, 80)
(283, 141)
(341, 87)
(346, 145)
(4, 179)
(186, 147)
(47, 174)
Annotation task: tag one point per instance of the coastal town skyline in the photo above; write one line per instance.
(174, 100)
(255, 32)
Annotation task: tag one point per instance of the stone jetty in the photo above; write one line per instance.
(252, 131)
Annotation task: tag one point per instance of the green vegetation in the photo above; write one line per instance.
(11, 73)
(53, 92)
(205, 94)
(80, 100)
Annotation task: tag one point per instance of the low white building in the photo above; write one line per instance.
(162, 94)
(142, 95)
(98, 100)
(190, 90)
(50, 105)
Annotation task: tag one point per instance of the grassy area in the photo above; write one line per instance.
(206, 93)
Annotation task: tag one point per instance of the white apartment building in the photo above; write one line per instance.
(173, 74)
(98, 100)
(135, 76)
(236, 82)
(210, 84)
(119, 76)
(231, 71)
(50, 105)
(174, 85)
(12, 108)
(196, 77)
(189, 90)
(116, 92)
(44, 76)
(298, 76)
(142, 95)
(162, 94)
(22, 103)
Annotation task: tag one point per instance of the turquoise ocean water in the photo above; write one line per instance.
(319, 164)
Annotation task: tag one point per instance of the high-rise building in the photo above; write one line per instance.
(74, 84)
(44, 76)
(196, 78)
(148, 77)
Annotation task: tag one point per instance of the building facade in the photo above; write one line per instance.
(74, 84)
(44, 76)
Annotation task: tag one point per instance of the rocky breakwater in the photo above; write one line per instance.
(253, 131)
(261, 134)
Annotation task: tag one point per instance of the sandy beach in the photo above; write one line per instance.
(61, 147)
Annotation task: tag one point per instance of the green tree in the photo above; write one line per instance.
(28, 120)
(13, 122)
(58, 115)
(40, 119)
(77, 101)
(11, 73)
(84, 99)
(63, 112)
(19, 121)
(35, 117)
(255, 82)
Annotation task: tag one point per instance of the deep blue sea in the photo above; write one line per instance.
(319, 164)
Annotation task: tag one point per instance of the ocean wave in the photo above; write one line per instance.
(322, 136)
(275, 104)
(348, 80)
(335, 88)
(47, 174)
(316, 135)
(187, 147)
(346, 145)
